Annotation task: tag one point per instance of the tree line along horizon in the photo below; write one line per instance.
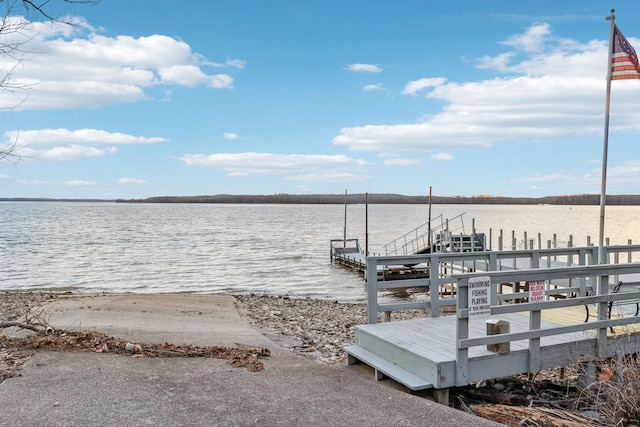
(385, 198)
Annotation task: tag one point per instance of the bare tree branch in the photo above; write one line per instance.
(40, 7)
(36, 327)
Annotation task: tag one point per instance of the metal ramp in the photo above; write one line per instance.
(448, 242)
(439, 235)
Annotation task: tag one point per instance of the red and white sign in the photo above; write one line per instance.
(536, 290)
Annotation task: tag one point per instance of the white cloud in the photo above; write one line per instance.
(401, 162)
(531, 40)
(442, 157)
(553, 89)
(33, 183)
(79, 183)
(74, 67)
(416, 86)
(135, 181)
(364, 68)
(293, 166)
(234, 63)
(68, 152)
(230, 135)
(48, 137)
(373, 87)
(65, 144)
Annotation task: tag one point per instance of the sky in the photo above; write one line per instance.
(164, 98)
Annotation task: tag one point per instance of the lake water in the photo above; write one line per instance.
(228, 248)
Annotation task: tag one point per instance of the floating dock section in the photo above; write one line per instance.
(348, 254)
(446, 237)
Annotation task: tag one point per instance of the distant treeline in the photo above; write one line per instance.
(575, 199)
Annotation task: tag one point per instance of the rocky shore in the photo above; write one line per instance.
(313, 328)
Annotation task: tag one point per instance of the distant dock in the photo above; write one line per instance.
(446, 237)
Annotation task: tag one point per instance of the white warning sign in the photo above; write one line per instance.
(479, 296)
(536, 290)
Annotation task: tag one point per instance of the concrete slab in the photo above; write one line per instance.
(70, 389)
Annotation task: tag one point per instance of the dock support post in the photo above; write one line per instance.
(441, 396)
(587, 373)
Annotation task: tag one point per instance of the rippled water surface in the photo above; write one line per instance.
(214, 248)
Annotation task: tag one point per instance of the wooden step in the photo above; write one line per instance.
(383, 368)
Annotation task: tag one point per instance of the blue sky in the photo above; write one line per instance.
(152, 98)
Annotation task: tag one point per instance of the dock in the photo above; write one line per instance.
(446, 236)
(560, 306)
(443, 351)
(348, 254)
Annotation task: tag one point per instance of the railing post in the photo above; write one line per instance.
(462, 332)
(372, 290)
(582, 259)
(603, 314)
(490, 240)
(535, 259)
(534, 343)
(493, 266)
(434, 285)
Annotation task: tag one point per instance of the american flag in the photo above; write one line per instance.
(625, 61)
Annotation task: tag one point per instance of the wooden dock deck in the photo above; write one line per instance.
(440, 352)
(421, 353)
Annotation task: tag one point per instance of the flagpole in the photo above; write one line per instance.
(603, 188)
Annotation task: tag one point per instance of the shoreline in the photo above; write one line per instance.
(314, 328)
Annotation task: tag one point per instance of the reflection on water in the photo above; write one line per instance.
(275, 249)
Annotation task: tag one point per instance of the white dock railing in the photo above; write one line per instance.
(598, 276)
(442, 286)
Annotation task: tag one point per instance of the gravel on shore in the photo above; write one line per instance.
(18, 306)
(314, 328)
